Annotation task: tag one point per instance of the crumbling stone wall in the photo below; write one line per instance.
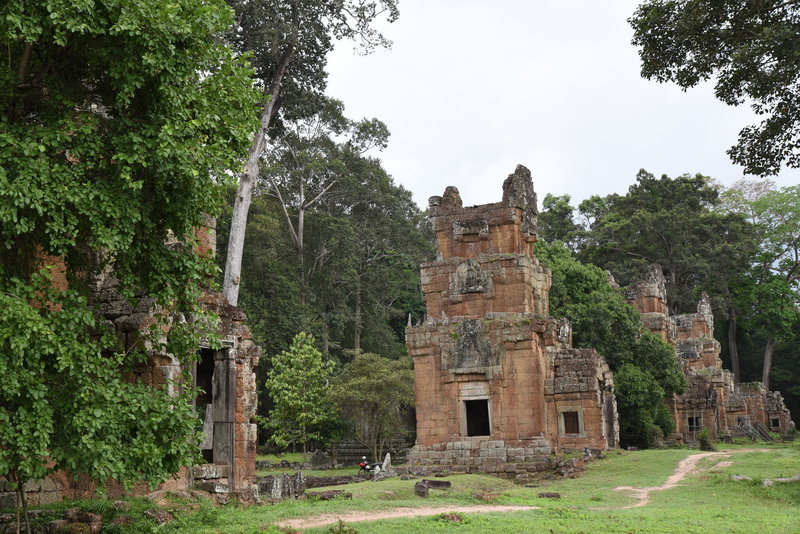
(712, 400)
(232, 468)
(494, 373)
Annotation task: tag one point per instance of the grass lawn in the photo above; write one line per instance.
(705, 501)
(297, 457)
(291, 457)
(310, 472)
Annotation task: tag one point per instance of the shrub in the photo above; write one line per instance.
(706, 443)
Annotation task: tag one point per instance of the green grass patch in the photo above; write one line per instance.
(291, 457)
(338, 471)
(708, 501)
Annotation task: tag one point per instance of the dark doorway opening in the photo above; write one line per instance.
(571, 423)
(204, 379)
(477, 417)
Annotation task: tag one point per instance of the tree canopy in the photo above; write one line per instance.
(118, 121)
(645, 367)
(672, 222)
(288, 42)
(750, 48)
(768, 291)
(373, 391)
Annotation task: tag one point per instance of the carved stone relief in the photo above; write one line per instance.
(470, 278)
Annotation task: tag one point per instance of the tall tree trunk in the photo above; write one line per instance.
(301, 228)
(732, 346)
(357, 314)
(767, 361)
(247, 182)
(326, 336)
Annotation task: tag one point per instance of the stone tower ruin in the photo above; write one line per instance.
(497, 379)
(713, 401)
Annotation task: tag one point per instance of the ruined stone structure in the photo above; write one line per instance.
(712, 400)
(229, 403)
(497, 380)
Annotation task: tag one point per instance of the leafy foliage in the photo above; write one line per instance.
(672, 222)
(556, 220)
(336, 243)
(117, 121)
(749, 47)
(372, 391)
(766, 296)
(288, 42)
(645, 367)
(271, 30)
(298, 385)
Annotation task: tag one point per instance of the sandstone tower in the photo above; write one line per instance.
(713, 400)
(497, 380)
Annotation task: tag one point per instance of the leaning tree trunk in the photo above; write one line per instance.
(247, 183)
(768, 350)
(732, 346)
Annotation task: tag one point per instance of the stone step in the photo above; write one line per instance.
(213, 486)
(209, 471)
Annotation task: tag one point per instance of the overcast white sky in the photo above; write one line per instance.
(470, 88)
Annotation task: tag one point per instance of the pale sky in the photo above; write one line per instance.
(471, 88)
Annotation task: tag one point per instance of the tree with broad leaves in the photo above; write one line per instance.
(672, 222)
(645, 367)
(308, 161)
(557, 220)
(118, 121)
(769, 295)
(750, 48)
(288, 41)
(298, 384)
(372, 391)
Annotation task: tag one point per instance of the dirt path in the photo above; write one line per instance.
(356, 515)
(686, 467)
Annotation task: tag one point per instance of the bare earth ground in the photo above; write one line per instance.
(352, 517)
(686, 467)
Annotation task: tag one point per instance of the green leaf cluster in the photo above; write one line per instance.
(749, 48)
(372, 392)
(65, 402)
(645, 368)
(672, 222)
(298, 384)
(120, 120)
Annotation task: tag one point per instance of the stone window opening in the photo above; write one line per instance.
(476, 413)
(571, 425)
(570, 422)
(775, 423)
(694, 423)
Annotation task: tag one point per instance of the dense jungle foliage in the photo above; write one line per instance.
(740, 245)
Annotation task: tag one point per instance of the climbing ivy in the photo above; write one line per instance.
(119, 122)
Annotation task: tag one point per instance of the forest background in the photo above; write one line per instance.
(124, 123)
(332, 245)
